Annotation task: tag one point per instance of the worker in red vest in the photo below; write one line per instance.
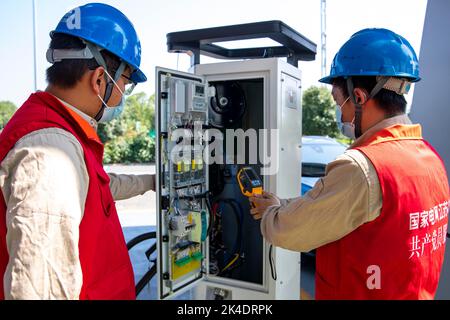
(60, 236)
(379, 216)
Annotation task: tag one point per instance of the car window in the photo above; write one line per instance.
(321, 153)
(313, 170)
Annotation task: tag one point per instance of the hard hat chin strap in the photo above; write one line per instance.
(358, 107)
(109, 83)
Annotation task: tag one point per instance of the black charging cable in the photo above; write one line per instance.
(273, 269)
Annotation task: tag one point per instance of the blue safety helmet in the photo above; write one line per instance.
(107, 28)
(375, 52)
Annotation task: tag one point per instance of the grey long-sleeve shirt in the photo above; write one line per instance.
(348, 196)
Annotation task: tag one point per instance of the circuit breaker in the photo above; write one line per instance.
(250, 111)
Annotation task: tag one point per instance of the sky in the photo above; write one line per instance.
(154, 19)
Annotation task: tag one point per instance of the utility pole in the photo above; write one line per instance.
(323, 31)
(34, 45)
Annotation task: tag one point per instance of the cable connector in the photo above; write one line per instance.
(220, 294)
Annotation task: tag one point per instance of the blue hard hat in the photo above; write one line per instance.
(108, 28)
(375, 52)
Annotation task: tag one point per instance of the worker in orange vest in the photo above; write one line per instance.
(378, 218)
(60, 236)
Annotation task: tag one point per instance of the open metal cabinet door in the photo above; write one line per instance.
(182, 185)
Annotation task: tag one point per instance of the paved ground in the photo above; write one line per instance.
(140, 263)
(138, 216)
(140, 210)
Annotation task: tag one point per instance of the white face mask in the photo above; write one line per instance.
(110, 113)
(346, 128)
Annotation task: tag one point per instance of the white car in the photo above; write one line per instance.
(317, 152)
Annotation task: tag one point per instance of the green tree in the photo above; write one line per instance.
(140, 109)
(141, 149)
(111, 130)
(319, 116)
(127, 139)
(7, 110)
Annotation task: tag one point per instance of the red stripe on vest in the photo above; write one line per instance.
(106, 266)
(399, 255)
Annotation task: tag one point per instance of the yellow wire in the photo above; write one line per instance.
(231, 262)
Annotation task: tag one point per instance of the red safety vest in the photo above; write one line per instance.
(399, 255)
(105, 263)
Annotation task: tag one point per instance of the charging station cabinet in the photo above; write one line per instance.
(207, 239)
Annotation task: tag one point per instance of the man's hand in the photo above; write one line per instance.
(261, 203)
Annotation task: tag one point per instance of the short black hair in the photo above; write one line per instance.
(67, 73)
(389, 101)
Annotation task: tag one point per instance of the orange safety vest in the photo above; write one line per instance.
(105, 263)
(399, 255)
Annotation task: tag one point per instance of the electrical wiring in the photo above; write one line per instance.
(236, 250)
(239, 217)
(208, 205)
(236, 256)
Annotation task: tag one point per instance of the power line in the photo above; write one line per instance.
(34, 46)
(323, 31)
